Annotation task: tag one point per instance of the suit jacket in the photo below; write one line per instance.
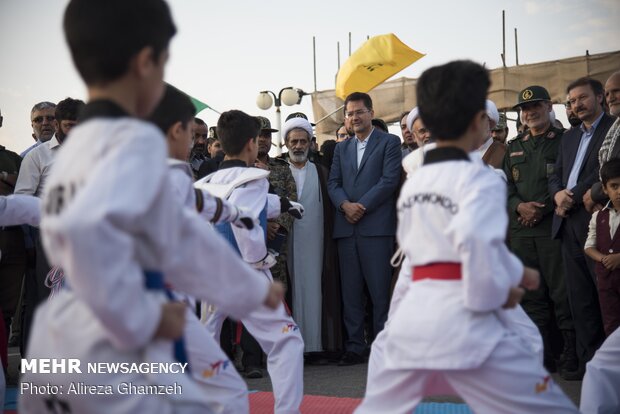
(588, 174)
(373, 184)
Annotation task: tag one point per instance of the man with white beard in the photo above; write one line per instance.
(313, 312)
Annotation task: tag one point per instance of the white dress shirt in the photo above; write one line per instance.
(361, 147)
(35, 168)
(614, 220)
(581, 152)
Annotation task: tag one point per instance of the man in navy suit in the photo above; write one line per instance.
(362, 185)
(576, 169)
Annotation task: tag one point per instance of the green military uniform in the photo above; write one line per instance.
(283, 183)
(528, 163)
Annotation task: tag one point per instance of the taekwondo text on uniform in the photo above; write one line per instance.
(73, 365)
(431, 198)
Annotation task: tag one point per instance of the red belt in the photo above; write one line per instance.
(437, 271)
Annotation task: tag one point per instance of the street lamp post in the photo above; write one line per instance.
(288, 96)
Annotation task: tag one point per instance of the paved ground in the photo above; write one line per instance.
(350, 381)
(331, 380)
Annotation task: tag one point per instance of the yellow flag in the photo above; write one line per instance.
(379, 58)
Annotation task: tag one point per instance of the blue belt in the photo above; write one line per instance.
(154, 280)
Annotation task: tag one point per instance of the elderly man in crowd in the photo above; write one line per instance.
(43, 121)
(312, 263)
(33, 173)
(528, 162)
(409, 143)
(595, 198)
(575, 171)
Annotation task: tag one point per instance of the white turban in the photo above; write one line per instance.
(492, 112)
(413, 115)
(295, 123)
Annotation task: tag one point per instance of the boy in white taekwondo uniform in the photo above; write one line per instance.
(446, 328)
(116, 227)
(17, 209)
(210, 365)
(600, 390)
(276, 332)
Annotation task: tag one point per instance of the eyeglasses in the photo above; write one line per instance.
(354, 113)
(342, 135)
(39, 119)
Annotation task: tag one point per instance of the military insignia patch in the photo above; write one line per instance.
(515, 174)
(527, 94)
(551, 135)
(516, 154)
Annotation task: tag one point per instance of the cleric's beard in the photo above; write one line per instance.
(299, 157)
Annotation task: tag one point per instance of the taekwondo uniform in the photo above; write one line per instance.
(115, 230)
(210, 366)
(275, 331)
(448, 327)
(17, 209)
(600, 390)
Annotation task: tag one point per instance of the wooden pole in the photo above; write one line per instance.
(504, 37)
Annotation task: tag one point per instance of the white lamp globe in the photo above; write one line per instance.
(290, 97)
(264, 101)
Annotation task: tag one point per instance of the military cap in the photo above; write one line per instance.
(265, 124)
(299, 115)
(502, 122)
(532, 93)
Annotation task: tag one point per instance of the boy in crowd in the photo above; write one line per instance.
(119, 232)
(603, 246)
(452, 233)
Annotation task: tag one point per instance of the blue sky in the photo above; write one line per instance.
(226, 52)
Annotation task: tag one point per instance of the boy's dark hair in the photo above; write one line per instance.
(234, 129)
(358, 96)
(175, 106)
(69, 109)
(610, 170)
(450, 95)
(104, 35)
(596, 86)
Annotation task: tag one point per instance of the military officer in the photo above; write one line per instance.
(529, 161)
